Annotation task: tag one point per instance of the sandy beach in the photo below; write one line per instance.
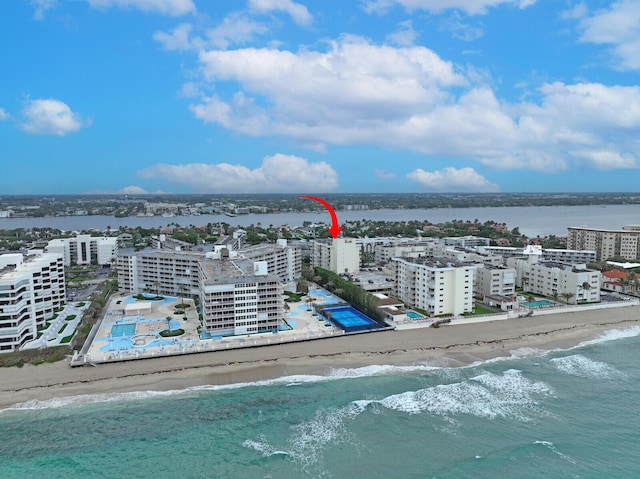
(451, 345)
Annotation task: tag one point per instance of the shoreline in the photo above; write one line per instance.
(449, 346)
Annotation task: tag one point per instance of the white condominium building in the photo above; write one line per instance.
(31, 290)
(545, 254)
(407, 248)
(159, 272)
(238, 297)
(551, 279)
(340, 255)
(624, 243)
(85, 249)
(492, 280)
(436, 285)
(283, 261)
(176, 272)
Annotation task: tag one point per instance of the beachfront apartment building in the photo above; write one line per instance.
(436, 285)
(238, 296)
(32, 289)
(607, 244)
(340, 255)
(497, 281)
(544, 254)
(555, 280)
(85, 249)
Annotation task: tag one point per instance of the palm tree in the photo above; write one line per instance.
(567, 296)
(586, 286)
(554, 296)
(182, 289)
(632, 281)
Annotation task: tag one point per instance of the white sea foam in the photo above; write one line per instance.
(263, 448)
(487, 395)
(612, 335)
(379, 370)
(549, 445)
(579, 365)
(309, 438)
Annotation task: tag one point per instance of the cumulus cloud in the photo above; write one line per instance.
(163, 7)
(277, 174)
(453, 180)
(409, 98)
(296, 11)
(3, 114)
(50, 117)
(617, 26)
(353, 83)
(470, 7)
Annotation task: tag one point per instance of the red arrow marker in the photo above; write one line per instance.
(335, 229)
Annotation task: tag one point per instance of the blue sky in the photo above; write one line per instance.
(283, 96)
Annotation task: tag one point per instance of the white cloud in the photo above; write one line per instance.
(41, 6)
(235, 29)
(278, 173)
(384, 175)
(470, 7)
(296, 11)
(351, 84)
(3, 114)
(453, 180)
(404, 36)
(50, 117)
(617, 26)
(607, 159)
(408, 98)
(164, 7)
(177, 39)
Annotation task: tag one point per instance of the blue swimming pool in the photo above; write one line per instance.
(350, 319)
(123, 329)
(414, 315)
(543, 303)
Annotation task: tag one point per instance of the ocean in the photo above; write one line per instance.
(560, 414)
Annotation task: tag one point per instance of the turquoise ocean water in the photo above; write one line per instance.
(561, 414)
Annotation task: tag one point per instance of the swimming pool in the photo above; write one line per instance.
(414, 315)
(350, 319)
(123, 329)
(543, 303)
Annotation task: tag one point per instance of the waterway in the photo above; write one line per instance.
(532, 221)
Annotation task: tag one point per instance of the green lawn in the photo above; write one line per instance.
(478, 310)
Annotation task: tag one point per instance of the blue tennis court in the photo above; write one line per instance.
(350, 319)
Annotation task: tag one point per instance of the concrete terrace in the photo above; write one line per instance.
(127, 333)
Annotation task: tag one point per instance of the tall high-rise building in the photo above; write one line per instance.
(32, 288)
